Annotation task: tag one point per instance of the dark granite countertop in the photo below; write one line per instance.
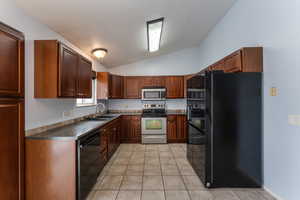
(72, 131)
(82, 128)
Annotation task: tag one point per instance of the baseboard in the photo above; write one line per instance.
(272, 193)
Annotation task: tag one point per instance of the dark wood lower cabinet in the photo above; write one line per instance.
(131, 129)
(110, 139)
(176, 129)
(11, 149)
(50, 169)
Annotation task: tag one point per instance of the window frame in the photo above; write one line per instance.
(94, 97)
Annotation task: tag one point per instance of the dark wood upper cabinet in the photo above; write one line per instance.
(103, 79)
(132, 87)
(109, 86)
(116, 87)
(60, 72)
(152, 81)
(67, 74)
(248, 59)
(12, 149)
(84, 80)
(175, 87)
(11, 62)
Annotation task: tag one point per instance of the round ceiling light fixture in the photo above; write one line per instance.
(99, 52)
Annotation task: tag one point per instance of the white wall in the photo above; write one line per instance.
(39, 112)
(181, 62)
(275, 26)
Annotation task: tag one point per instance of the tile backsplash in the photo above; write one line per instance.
(136, 104)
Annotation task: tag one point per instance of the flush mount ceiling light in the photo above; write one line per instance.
(154, 31)
(99, 52)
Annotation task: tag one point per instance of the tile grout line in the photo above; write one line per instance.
(162, 177)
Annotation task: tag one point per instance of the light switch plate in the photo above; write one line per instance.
(273, 91)
(294, 120)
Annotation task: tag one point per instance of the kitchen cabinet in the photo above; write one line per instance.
(233, 63)
(131, 129)
(109, 86)
(84, 84)
(110, 138)
(11, 113)
(57, 70)
(132, 87)
(176, 128)
(11, 62)
(50, 169)
(103, 79)
(248, 59)
(116, 87)
(152, 81)
(67, 72)
(12, 149)
(175, 86)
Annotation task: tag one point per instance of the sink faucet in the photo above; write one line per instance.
(100, 108)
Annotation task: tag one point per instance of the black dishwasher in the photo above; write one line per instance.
(89, 163)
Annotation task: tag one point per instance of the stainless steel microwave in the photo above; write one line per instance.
(154, 94)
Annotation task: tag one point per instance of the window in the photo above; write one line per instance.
(91, 101)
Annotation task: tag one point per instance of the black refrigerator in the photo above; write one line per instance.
(225, 128)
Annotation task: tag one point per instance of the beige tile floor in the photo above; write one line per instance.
(159, 172)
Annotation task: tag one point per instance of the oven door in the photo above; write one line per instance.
(154, 125)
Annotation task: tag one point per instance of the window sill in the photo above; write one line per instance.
(85, 105)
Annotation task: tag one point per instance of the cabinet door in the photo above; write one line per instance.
(84, 78)
(181, 128)
(151, 81)
(131, 129)
(132, 87)
(11, 149)
(175, 86)
(172, 128)
(67, 72)
(125, 128)
(11, 62)
(234, 62)
(116, 87)
(102, 85)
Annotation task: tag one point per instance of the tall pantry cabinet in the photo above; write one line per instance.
(11, 113)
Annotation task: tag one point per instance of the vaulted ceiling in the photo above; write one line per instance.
(120, 25)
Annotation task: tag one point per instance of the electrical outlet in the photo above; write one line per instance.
(273, 91)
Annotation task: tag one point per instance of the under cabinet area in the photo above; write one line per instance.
(60, 72)
(176, 129)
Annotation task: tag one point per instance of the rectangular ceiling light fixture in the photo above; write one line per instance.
(154, 31)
